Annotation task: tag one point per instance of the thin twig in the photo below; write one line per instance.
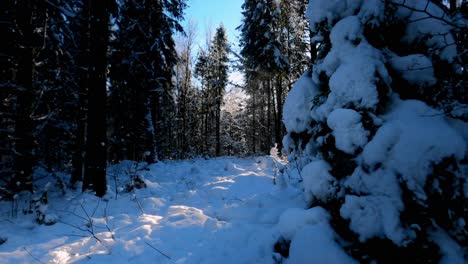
(139, 204)
(32, 256)
(107, 221)
(157, 250)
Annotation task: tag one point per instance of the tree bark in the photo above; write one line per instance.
(24, 141)
(279, 117)
(78, 159)
(253, 124)
(96, 145)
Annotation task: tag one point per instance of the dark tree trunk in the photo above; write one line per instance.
(78, 158)
(218, 122)
(279, 116)
(96, 144)
(253, 125)
(24, 141)
(269, 108)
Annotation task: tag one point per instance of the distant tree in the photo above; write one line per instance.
(201, 72)
(211, 69)
(218, 77)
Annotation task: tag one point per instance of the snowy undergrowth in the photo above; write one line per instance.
(223, 210)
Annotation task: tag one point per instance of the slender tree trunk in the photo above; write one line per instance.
(24, 141)
(253, 124)
(154, 106)
(279, 111)
(218, 121)
(269, 130)
(263, 126)
(205, 115)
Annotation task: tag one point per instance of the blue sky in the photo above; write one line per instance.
(213, 12)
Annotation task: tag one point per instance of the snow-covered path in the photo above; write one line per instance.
(199, 211)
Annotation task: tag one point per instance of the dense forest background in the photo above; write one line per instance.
(85, 84)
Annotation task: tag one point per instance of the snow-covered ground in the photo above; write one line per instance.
(222, 210)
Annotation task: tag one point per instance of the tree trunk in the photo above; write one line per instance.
(279, 118)
(24, 141)
(269, 130)
(78, 159)
(96, 145)
(253, 124)
(218, 121)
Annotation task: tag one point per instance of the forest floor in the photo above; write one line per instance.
(223, 210)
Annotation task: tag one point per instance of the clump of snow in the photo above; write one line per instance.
(381, 182)
(298, 103)
(414, 138)
(378, 149)
(347, 129)
(350, 51)
(374, 216)
(317, 181)
(312, 238)
(376, 212)
(416, 69)
(369, 11)
(330, 10)
(348, 29)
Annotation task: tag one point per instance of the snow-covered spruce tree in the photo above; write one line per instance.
(379, 152)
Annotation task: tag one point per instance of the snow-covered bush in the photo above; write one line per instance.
(384, 157)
